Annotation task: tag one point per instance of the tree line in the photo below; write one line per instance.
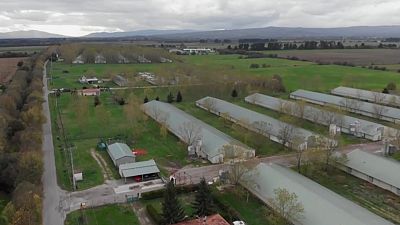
(21, 163)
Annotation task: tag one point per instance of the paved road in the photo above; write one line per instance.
(194, 175)
(53, 204)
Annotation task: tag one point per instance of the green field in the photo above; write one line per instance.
(105, 215)
(109, 119)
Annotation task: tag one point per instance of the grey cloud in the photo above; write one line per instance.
(193, 14)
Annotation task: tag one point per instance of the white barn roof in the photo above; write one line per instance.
(252, 117)
(371, 96)
(378, 167)
(340, 101)
(212, 139)
(310, 112)
(321, 206)
(138, 168)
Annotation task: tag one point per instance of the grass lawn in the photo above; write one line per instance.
(105, 215)
(373, 198)
(185, 199)
(167, 151)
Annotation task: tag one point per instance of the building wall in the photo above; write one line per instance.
(125, 160)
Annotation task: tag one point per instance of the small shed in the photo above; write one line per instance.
(120, 153)
(139, 171)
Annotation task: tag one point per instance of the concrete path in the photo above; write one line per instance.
(54, 198)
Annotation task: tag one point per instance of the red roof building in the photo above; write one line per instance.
(215, 219)
(89, 92)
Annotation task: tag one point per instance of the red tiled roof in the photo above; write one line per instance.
(90, 90)
(215, 219)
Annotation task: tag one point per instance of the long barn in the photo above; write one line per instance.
(352, 105)
(321, 205)
(347, 124)
(209, 143)
(370, 96)
(260, 123)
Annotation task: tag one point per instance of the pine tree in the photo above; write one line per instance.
(172, 211)
(170, 98)
(203, 203)
(96, 101)
(145, 99)
(179, 97)
(234, 93)
(157, 98)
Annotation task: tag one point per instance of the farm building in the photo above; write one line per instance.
(120, 80)
(321, 206)
(215, 219)
(78, 60)
(120, 153)
(370, 96)
(205, 141)
(89, 92)
(100, 59)
(139, 171)
(346, 124)
(142, 59)
(352, 105)
(378, 170)
(89, 80)
(260, 123)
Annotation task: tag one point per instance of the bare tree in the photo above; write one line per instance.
(299, 145)
(286, 134)
(264, 128)
(210, 104)
(351, 104)
(287, 206)
(378, 97)
(299, 109)
(379, 110)
(238, 171)
(190, 132)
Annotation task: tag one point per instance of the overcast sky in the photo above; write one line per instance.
(80, 17)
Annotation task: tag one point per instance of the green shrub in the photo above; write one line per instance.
(154, 215)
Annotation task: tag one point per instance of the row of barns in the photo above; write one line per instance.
(321, 206)
(120, 59)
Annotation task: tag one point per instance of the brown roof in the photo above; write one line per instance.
(215, 219)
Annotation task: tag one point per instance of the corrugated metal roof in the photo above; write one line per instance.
(310, 113)
(340, 101)
(381, 168)
(372, 96)
(119, 150)
(213, 140)
(139, 168)
(253, 118)
(321, 206)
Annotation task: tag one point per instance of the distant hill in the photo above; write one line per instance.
(135, 33)
(28, 34)
(292, 32)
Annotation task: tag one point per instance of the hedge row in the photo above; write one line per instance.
(154, 215)
(226, 211)
(160, 193)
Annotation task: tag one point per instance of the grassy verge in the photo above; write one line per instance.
(105, 215)
(371, 197)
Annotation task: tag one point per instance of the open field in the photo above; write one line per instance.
(109, 120)
(375, 199)
(28, 49)
(359, 57)
(8, 66)
(105, 215)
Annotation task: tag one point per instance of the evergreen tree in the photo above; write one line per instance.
(157, 98)
(179, 97)
(203, 203)
(172, 211)
(96, 101)
(145, 99)
(234, 93)
(170, 98)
